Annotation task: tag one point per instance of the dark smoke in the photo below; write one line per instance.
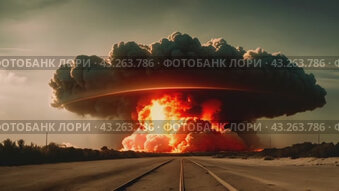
(266, 92)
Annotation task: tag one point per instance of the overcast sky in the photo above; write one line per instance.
(72, 27)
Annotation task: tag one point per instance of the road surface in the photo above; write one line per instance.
(171, 173)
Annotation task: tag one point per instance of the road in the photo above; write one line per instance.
(166, 173)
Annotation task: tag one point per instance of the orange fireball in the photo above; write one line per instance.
(168, 125)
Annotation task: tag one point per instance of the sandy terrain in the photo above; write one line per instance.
(165, 178)
(93, 175)
(198, 179)
(244, 174)
(284, 174)
(333, 161)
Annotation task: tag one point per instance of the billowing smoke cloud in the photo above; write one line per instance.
(223, 94)
(266, 92)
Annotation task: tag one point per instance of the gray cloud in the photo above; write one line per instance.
(268, 91)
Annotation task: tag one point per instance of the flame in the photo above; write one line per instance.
(158, 117)
(157, 111)
(258, 150)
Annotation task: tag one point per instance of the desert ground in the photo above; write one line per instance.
(304, 174)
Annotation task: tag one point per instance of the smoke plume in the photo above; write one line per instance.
(241, 94)
(270, 91)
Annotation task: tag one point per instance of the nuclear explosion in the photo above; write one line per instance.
(169, 95)
(101, 89)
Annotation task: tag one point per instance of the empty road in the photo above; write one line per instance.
(171, 173)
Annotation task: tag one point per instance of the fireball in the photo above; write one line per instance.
(180, 109)
(168, 125)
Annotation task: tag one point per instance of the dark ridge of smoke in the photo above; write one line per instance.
(270, 92)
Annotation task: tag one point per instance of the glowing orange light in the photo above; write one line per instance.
(258, 150)
(159, 113)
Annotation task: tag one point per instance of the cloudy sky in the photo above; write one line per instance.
(73, 27)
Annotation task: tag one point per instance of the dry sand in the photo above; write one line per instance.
(303, 174)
